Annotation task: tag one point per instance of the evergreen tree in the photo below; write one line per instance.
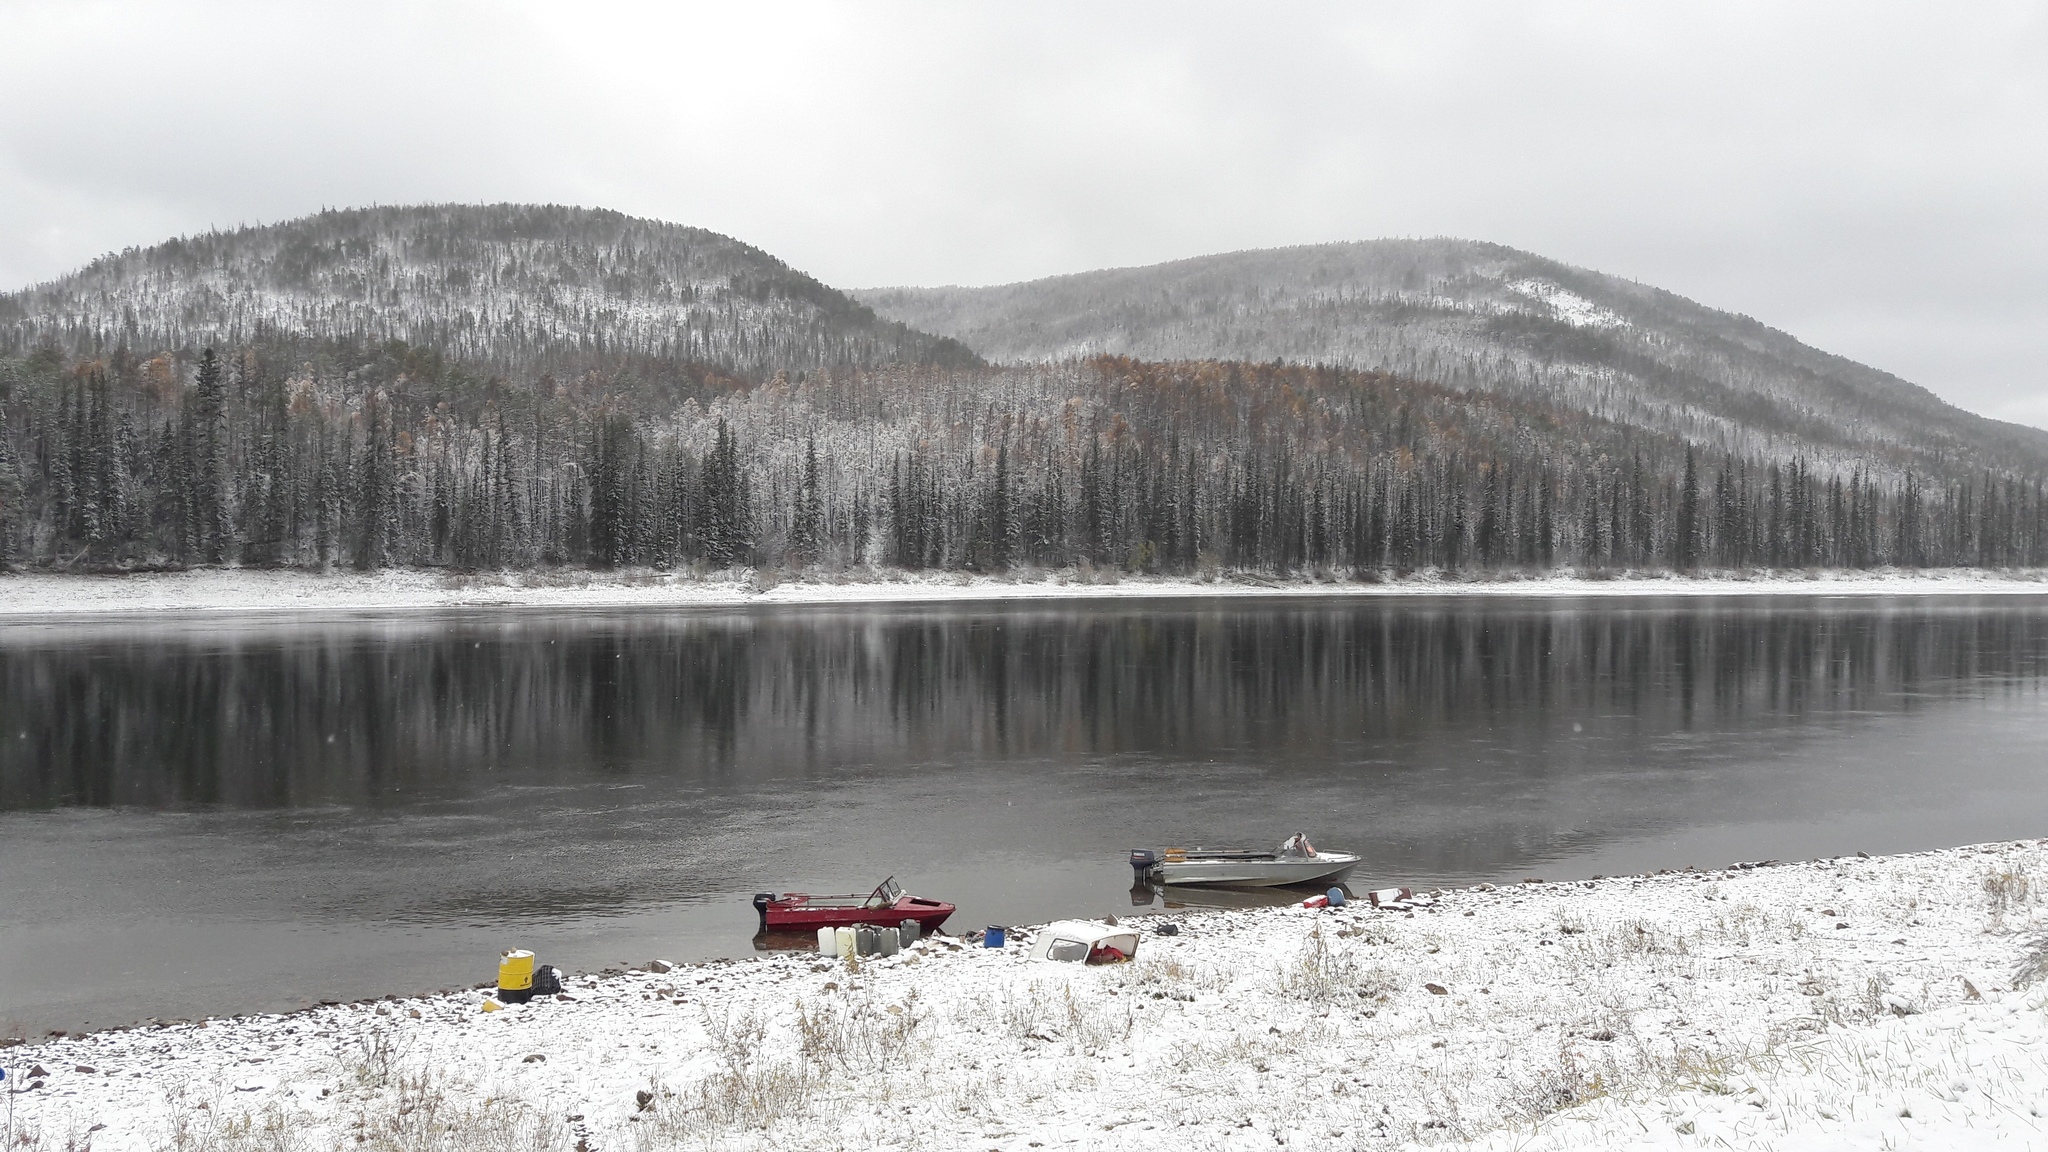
(1640, 545)
(1000, 532)
(12, 491)
(208, 469)
(1490, 516)
(613, 476)
(1685, 537)
(374, 509)
(807, 517)
(723, 526)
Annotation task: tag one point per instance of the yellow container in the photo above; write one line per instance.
(515, 970)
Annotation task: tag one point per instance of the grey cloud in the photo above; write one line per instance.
(1869, 178)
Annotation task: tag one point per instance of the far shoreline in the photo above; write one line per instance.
(46, 596)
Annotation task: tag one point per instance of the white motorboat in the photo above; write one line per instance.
(1295, 862)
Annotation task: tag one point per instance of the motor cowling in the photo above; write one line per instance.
(761, 902)
(1143, 860)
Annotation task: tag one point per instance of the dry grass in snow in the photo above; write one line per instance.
(1860, 1003)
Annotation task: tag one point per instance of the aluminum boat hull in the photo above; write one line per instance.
(1273, 872)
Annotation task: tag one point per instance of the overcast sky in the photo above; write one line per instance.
(1872, 178)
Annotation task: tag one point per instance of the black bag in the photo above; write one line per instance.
(547, 981)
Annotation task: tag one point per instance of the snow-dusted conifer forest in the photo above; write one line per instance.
(1474, 316)
(509, 286)
(1141, 467)
(520, 387)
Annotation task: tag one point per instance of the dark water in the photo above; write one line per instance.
(210, 816)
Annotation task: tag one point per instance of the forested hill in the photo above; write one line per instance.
(510, 287)
(527, 387)
(1480, 316)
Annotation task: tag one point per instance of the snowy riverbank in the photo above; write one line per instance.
(1849, 1003)
(32, 595)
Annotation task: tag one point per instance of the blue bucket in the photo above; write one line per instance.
(1336, 897)
(993, 936)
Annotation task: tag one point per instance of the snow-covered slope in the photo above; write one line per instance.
(523, 289)
(1470, 315)
(512, 286)
(1835, 1004)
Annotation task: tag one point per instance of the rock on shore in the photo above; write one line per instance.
(1825, 1004)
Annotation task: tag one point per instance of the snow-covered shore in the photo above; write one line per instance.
(1846, 1003)
(35, 595)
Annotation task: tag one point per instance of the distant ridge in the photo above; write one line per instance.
(1474, 315)
(507, 285)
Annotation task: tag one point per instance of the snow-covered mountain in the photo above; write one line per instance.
(516, 287)
(1448, 404)
(1474, 315)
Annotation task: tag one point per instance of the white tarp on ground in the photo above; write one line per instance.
(1077, 941)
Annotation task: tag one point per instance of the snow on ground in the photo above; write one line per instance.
(1569, 306)
(25, 595)
(1846, 1003)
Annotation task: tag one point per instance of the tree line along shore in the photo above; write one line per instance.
(391, 456)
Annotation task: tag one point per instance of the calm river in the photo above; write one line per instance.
(210, 816)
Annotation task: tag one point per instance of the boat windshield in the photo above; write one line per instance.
(885, 894)
(1298, 845)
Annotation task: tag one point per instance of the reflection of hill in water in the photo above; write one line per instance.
(1442, 736)
(607, 785)
(1400, 695)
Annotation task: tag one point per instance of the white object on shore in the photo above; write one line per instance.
(1084, 941)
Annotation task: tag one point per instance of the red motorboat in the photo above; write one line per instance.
(888, 905)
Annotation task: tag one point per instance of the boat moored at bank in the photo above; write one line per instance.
(888, 904)
(1295, 862)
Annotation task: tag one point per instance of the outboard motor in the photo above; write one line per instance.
(1143, 860)
(761, 902)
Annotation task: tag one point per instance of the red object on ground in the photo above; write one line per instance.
(888, 905)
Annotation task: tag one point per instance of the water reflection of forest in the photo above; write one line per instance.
(383, 715)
